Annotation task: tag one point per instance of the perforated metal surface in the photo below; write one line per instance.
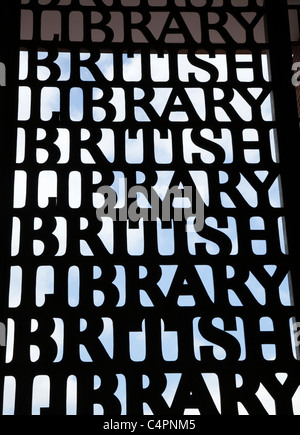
(117, 317)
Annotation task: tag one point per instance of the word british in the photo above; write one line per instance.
(160, 209)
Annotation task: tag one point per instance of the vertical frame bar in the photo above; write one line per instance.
(285, 109)
(9, 58)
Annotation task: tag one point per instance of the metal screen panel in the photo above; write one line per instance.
(149, 228)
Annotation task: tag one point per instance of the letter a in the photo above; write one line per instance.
(295, 78)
